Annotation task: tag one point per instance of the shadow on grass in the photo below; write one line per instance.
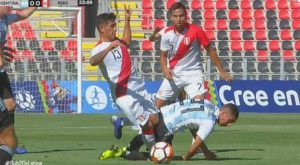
(243, 149)
(218, 159)
(62, 150)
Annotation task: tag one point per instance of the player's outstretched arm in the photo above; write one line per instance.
(127, 28)
(163, 63)
(155, 35)
(98, 58)
(1, 56)
(25, 13)
(215, 58)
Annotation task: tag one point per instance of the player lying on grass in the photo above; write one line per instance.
(200, 116)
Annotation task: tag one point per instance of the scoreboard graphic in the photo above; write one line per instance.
(46, 3)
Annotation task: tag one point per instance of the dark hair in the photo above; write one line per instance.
(233, 110)
(103, 19)
(177, 5)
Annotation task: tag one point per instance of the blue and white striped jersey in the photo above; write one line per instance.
(201, 115)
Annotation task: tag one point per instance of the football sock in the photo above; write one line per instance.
(125, 121)
(136, 143)
(135, 155)
(5, 154)
(149, 138)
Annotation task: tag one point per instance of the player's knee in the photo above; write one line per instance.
(159, 103)
(6, 154)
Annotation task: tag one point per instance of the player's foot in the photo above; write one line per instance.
(113, 152)
(117, 122)
(20, 150)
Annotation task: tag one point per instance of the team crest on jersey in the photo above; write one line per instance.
(186, 40)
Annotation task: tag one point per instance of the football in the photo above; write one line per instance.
(161, 153)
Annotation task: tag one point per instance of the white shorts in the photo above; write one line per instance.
(137, 106)
(170, 89)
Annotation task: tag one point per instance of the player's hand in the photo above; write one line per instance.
(156, 30)
(1, 62)
(114, 44)
(168, 73)
(210, 155)
(127, 12)
(226, 76)
(7, 54)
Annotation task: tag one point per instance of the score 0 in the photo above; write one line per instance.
(35, 3)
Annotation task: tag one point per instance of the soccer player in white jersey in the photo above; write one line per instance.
(180, 58)
(6, 18)
(200, 116)
(127, 89)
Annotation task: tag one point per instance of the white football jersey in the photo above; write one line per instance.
(190, 114)
(183, 49)
(118, 69)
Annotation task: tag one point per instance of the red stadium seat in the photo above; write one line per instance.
(196, 5)
(211, 35)
(209, 14)
(30, 35)
(297, 45)
(209, 25)
(208, 4)
(286, 35)
(282, 4)
(236, 45)
(262, 56)
(221, 5)
(15, 27)
(25, 25)
(147, 45)
(284, 14)
(259, 14)
(294, 4)
(147, 4)
(147, 13)
(245, 4)
(47, 45)
(235, 35)
(72, 44)
(17, 35)
(66, 55)
(170, 3)
(260, 35)
(247, 24)
(270, 4)
(246, 14)
(274, 45)
(146, 24)
(296, 14)
(260, 24)
(159, 23)
(222, 24)
(248, 45)
(296, 24)
(234, 14)
(9, 43)
(288, 55)
(27, 54)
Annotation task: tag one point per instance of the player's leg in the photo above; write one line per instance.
(167, 92)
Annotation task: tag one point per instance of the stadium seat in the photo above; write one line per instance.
(157, 45)
(197, 22)
(237, 67)
(25, 25)
(296, 14)
(284, 24)
(245, 4)
(262, 67)
(275, 56)
(223, 45)
(147, 45)
(289, 67)
(170, 3)
(147, 14)
(59, 45)
(274, 45)
(251, 67)
(57, 66)
(284, 14)
(226, 66)
(237, 56)
(17, 35)
(209, 25)
(271, 14)
(260, 35)
(27, 54)
(285, 35)
(159, 23)
(208, 4)
(209, 14)
(270, 4)
(234, 24)
(236, 45)
(247, 35)
(21, 45)
(288, 55)
(53, 56)
(221, 14)
(260, 24)
(147, 4)
(257, 4)
(246, 14)
(146, 67)
(298, 66)
(146, 24)
(275, 67)
(45, 67)
(272, 24)
(65, 55)
(259, 14)
(224, 55)
(294, 5)
(196, 14)
(157, 67)
(134, 45)
(287, 45)
(221, 5)
(297, 45)
(146, 56)
(233, 4)
(185, 3)
(40, 55)
(72, 44)
(222, 24)
(34, 45)
(234, 14)
(19, 66)
(210, 35)
(261, 45)
(71, 67)
(29, 35)
(159, 4)
(247, 24)
(273, 35)
(32, 67)
(282, 4)
(222, 35)
(196, 5)
(235, 35)
(296, 24)
(248, 45)
(159, 14)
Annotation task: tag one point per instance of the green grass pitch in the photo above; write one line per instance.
(256, 139)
